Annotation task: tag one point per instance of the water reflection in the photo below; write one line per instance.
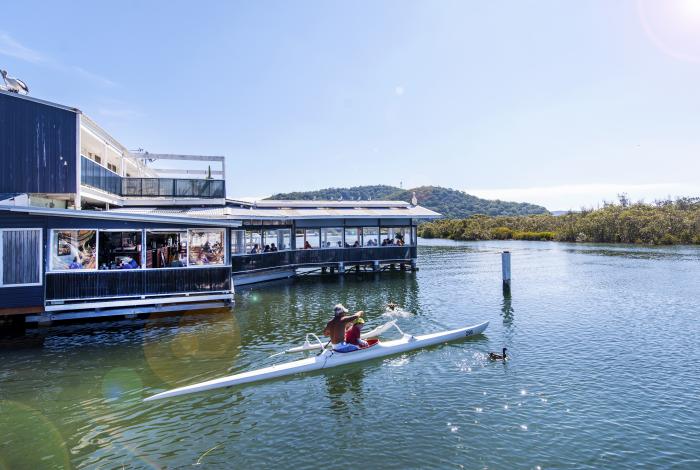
(346, 392)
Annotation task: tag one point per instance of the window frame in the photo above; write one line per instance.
(41, 256)
(52, 238)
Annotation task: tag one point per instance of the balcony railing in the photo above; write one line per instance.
(94, 285)
(320, 257)
(99, 177)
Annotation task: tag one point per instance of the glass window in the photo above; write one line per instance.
(166, 249)
(352, 237)
(331, 237)
(119, 250)
(370, 236)
(74, 249)
(395, 236)
(237, 242)
(207, 247)
(277, 240)
(299, 238)
(308, 239)
(253, 241)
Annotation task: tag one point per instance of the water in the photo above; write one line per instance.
(604, 372)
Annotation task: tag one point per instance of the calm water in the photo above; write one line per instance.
(605, 372)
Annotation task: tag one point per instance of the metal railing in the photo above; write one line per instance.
(97, 176)
(320, 257)
(84, 285)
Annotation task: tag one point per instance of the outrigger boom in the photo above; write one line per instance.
(329, 358)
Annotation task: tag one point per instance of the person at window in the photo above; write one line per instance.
(385, 242)
(266, 249)
(307, 245)
(255, 250)
(273, 247)
(75, 264)
(356, 244)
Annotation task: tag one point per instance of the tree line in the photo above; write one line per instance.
(666, 222)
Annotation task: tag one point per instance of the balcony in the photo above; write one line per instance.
(119, 284)
(98, 177)
(321, 257)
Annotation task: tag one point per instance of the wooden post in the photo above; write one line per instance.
(505, 268)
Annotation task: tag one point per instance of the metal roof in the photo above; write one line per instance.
(283, 204)
(241, 213)
(40, 101)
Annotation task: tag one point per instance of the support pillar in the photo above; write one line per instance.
(375, 266)
(341, 268)
(505, 268)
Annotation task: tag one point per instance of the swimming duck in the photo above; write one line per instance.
(392, 306)
(498, 357)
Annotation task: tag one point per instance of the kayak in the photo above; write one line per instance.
(309, 346)
(328, 359)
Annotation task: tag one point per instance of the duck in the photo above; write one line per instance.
(498, 357)
(392, 306)
(14, 85)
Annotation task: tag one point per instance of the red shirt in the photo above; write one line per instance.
(352, 336)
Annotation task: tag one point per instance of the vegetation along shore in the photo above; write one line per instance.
(661, 223)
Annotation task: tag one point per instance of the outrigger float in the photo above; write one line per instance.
(328, 358)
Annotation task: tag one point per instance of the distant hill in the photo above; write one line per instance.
(448, 202)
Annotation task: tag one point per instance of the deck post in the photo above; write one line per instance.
(414, 264)
(341, 268)
(505, 268)
(375, 266)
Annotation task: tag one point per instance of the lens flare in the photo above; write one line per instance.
(24, 428)
(673, 26)
(200, 344)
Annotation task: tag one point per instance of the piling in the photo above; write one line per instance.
(505, 268)
(375, 266)
(341, 268)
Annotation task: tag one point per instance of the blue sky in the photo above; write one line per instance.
(559, 103)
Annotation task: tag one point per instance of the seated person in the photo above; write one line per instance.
(75, 264)
(266, 249)
(352, 335)
(356, 244)
(307, 245)
(133, 264)
(255, 250)
(273, 247)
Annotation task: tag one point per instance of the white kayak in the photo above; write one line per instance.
(375, 333)
(329, 358)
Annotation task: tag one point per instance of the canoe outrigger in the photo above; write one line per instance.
(328, 358)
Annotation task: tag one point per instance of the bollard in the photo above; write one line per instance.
(505, 268)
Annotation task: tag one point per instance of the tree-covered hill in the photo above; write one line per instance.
(448, 202)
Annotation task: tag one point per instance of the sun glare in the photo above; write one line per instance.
(673, 26)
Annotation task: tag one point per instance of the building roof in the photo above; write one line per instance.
(40, 101)
(307, 204)
(306, 211)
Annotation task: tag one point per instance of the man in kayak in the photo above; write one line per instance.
(352, 336)
(335, 328)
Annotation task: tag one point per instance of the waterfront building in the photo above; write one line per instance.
(89, 228)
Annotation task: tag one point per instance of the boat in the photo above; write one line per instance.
(328, 358)
(311, 346)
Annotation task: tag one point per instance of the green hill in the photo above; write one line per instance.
(448, 202)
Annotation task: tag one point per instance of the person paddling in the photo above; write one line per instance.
(335, 328)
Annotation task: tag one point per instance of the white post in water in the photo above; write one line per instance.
(505, 268)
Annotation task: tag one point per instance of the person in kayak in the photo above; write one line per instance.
(335, 329)
(352, 335)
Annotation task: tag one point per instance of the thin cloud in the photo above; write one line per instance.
(10, 47)
(13, 48)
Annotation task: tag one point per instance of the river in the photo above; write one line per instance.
(604, 373)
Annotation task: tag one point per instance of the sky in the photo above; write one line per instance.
(564, 104)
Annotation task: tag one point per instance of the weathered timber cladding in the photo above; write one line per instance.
(21, 256)
(38, 152)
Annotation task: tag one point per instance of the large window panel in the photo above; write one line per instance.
(119, 250)
(370, 236)
(307, 239)
(206, 247)
(74, 249)
(20, 257)
(166, 249)
(253, 241)
(237, 242)
(332, 237)
(352, 237)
